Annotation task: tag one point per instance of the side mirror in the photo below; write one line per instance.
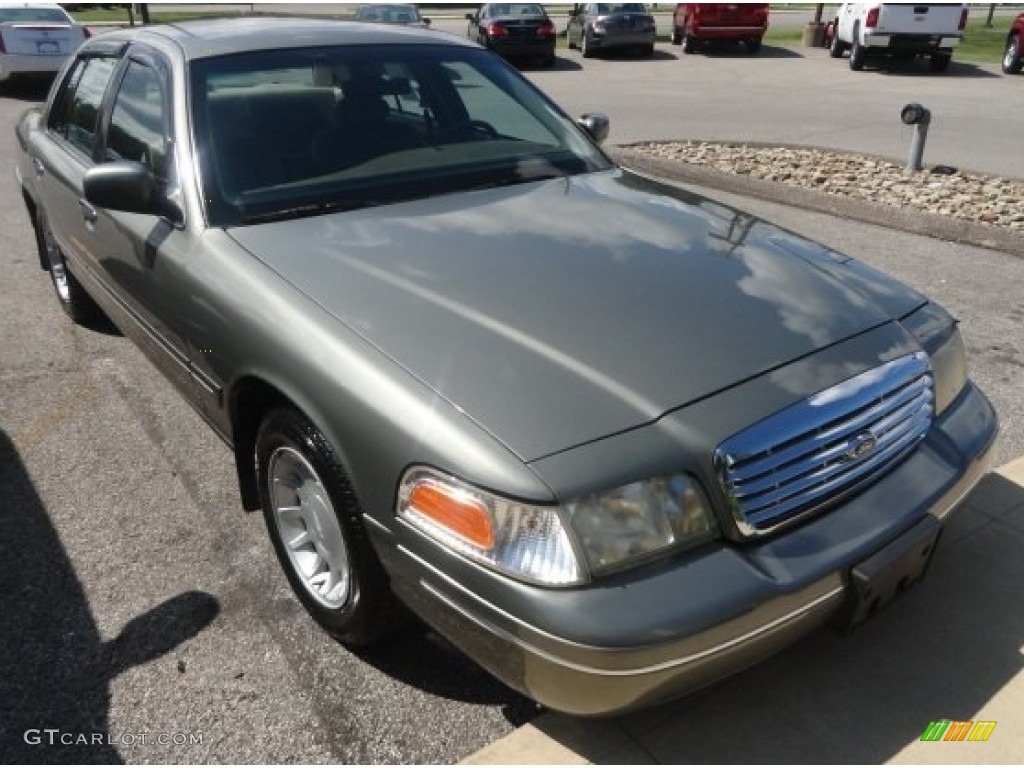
(596, 124)
(128, 186)
(122, 185)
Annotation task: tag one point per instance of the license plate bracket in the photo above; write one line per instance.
(881, 578)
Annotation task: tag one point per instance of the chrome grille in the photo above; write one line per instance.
(809, 455)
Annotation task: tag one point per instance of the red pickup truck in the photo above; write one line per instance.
(1012, 61)
(697, 23)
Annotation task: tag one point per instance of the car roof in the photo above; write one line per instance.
(18, 6)
(205, 38)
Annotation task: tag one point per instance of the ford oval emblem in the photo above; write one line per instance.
(860, 446)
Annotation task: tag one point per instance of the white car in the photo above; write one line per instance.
(898, 29)
(36, 39)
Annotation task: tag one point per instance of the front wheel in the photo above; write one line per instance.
(76, 303)
(315, 524)
(753, 45)
(836, 47)
(1012, 62)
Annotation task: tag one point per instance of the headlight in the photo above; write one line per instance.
(598, 27)
(534, 542)
(936, 331)
(522, 540)
(641, 519)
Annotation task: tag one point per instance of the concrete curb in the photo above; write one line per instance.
(905, 220)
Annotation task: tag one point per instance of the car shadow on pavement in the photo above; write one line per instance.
(561, 65)
(55, 669)
(739, 52)
(920, 68)
(943, 651)
(26, 88)
(425, 660)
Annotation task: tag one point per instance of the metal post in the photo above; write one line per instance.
(919, 117)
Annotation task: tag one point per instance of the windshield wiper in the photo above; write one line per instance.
(512, 180)
(303, 211)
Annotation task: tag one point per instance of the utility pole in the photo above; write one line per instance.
(991, 13)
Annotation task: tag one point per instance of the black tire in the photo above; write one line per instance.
(1012, 61)
(76, 303)
(754, 45)
(689, 42)
(677, 35)
(586, 47)
(648, 50)
(858, 53)
(939, 62)
(548, 61)
(836, 48)
(370, 610)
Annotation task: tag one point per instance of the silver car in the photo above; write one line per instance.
(611, 438)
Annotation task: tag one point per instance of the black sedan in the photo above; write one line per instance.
(514, 30)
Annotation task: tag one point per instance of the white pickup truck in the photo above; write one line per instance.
(898, 29)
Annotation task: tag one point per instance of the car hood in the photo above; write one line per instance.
(557, 312)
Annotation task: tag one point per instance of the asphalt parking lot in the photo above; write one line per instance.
(139, 601)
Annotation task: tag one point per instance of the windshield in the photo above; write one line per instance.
(389, 14)
(604, 9)
(29, 14)
(516, 9)
(294, 132)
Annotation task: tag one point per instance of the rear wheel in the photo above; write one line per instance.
(76, 303)
(648, 50)
(939, 62)
(1012, 63)
(689, 42)
(858, 53)
(315, 524)
(754, 45)
(586, 48)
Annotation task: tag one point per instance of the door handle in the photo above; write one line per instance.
(88, 212)
(38, 165)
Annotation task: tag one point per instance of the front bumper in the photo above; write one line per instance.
(662, 631)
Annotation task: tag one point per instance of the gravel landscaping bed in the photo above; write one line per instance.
(974, 197)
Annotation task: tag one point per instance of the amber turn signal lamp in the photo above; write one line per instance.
(456, 512)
